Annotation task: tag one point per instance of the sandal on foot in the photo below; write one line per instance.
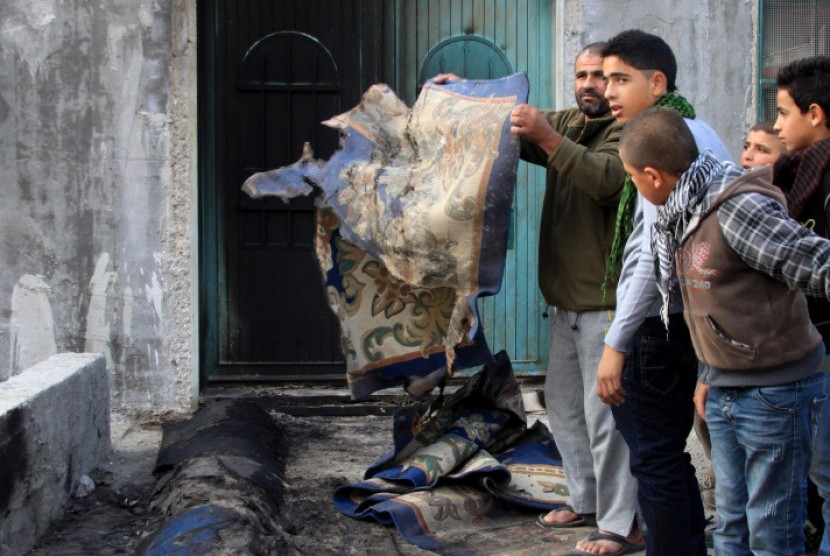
(580, 521)
(626, 546)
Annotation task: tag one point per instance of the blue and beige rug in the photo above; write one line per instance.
(412, 227)
(467, 476)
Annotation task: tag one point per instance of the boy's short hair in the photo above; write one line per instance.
(808, 81)
(644, 52)
(765, 126)
(658, 137)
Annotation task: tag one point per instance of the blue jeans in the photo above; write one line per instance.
(820, 465)
(761, 448)
(659, 379)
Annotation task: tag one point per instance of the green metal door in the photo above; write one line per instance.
(489, 39)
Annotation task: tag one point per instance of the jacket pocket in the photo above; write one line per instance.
(726, 351)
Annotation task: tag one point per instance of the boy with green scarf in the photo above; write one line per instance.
(645, 374)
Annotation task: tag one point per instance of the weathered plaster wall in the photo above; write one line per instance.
(96, 173)
(713, 41)
(97, 168)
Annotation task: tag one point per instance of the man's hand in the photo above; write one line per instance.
(444, 78)
(528, 123)
(609, 376)
(701, 393)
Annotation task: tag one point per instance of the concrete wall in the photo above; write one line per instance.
(97, 169)
(96, 191)
(714, 42)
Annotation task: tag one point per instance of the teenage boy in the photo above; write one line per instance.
(645, 374)
(761, 146)
(803, 102)
(803, 126)
(739, 260)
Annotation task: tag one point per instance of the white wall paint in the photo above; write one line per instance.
(32, 325)
(98, 327)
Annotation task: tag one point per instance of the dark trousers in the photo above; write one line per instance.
(659, 378)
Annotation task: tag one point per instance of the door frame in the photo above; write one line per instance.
(207, 199)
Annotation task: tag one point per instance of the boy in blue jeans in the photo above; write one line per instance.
(739, 259)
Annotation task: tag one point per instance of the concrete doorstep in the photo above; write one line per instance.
(54, 430)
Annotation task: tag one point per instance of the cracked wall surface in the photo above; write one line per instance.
(96, 199)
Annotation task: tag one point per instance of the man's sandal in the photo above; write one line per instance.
(626, 546)
(582, 520)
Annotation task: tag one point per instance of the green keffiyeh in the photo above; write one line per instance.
(625, 210)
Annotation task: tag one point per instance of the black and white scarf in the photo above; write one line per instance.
(673, 218)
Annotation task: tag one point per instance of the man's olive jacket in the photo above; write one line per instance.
(584, 180)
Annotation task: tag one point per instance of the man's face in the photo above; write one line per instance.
(629, 91)
(589, 85)
(794, 128)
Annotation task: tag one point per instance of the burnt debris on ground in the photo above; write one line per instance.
(222, 495)
(322, 445)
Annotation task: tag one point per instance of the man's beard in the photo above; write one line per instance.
(592, 110)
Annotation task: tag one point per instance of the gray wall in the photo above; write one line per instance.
(713, 41)
(97, 169)
(96, 191)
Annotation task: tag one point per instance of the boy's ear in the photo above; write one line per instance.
(662, 180)
(818, 118)
(658, 84)
(655, 175)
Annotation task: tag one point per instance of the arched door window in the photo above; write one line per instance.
(295, 76)
(469, 56)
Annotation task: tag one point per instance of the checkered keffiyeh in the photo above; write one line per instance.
(673, 219)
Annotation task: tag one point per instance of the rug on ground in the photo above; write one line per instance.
(465, 471)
